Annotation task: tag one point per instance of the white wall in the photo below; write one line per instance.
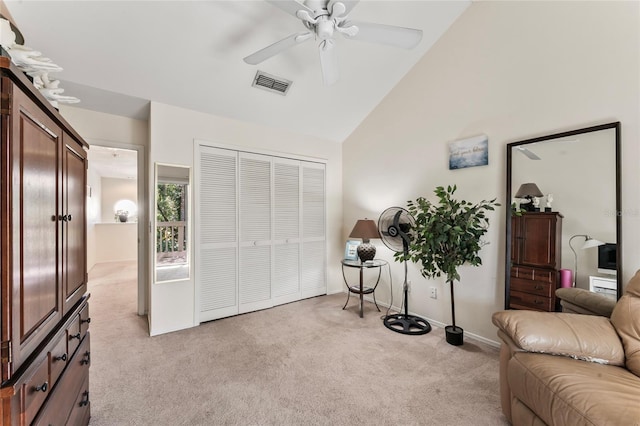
(114, 190)
(511, 70)
(172, 134)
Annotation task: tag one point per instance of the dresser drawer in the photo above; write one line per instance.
(82, 407)
(73, 336)
(58, 358)
(539, 288)
(36, 389)
(67, 393)
(534, 274)
(520, 300)
(84, 321)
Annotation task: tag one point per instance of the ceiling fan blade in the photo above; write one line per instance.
(277, 47)
(328, 62)
(530, 154)
(406, 38)
(290, 6)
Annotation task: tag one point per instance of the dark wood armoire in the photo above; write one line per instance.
(535, 260)
(44, 321)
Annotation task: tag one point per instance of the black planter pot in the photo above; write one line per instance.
(454, 335)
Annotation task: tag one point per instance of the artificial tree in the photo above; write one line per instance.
(446, 236)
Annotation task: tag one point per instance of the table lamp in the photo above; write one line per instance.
(528, 191)
(365, 229)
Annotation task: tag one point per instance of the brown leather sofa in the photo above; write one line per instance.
(559, 368)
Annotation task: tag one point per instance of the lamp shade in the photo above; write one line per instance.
(591, 242)
(365, 229)
(528, 190)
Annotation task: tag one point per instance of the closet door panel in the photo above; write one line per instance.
(255, 198)
(255, 278)
(286, 230)
(313, 282)
(255, 232)
(286, 273)
(217, 239)
(218, 276)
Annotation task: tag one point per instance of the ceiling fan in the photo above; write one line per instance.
(322, 19)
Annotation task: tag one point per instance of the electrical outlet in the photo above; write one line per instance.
(434, 292)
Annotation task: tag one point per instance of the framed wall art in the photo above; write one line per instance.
(469, 152)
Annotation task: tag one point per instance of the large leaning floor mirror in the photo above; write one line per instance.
(563, 227)
(172, 199)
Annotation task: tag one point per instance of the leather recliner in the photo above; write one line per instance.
(559, 368)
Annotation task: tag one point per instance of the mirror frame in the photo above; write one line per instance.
(613, 125)
(155, 222)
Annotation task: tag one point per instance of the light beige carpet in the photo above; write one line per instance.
(305, 363)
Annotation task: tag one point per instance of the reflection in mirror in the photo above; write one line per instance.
(574, 177)
(172, 222)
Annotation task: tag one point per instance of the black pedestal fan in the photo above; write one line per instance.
(395, 225)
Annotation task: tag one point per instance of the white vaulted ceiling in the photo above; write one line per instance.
(118, 55)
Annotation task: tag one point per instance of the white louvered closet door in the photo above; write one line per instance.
(255, 232)
(313, 278)
(217, 241)
(285, 285)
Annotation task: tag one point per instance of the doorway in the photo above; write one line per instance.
(116, 211)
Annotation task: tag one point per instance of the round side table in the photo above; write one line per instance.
(360, 289)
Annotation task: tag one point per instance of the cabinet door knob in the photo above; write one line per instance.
(62, 357)
(538, 287)
(69, 217)
(88, 320)
(74, 336)
(43, 387)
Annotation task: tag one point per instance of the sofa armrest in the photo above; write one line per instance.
(584, 337)
(581, 301)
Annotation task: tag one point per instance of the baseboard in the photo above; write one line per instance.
(433, 322)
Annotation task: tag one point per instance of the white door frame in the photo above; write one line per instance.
(143, 211)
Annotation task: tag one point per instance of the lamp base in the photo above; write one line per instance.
(366, 251)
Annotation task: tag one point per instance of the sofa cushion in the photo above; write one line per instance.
(585, 337)
(565, 391)
(626, 320)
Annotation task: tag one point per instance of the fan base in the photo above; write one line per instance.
(407, 324)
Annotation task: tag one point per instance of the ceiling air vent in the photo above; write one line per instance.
(274, 84)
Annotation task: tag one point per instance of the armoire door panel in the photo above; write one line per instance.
(73, 223)
(35, 209)
(537, 231)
